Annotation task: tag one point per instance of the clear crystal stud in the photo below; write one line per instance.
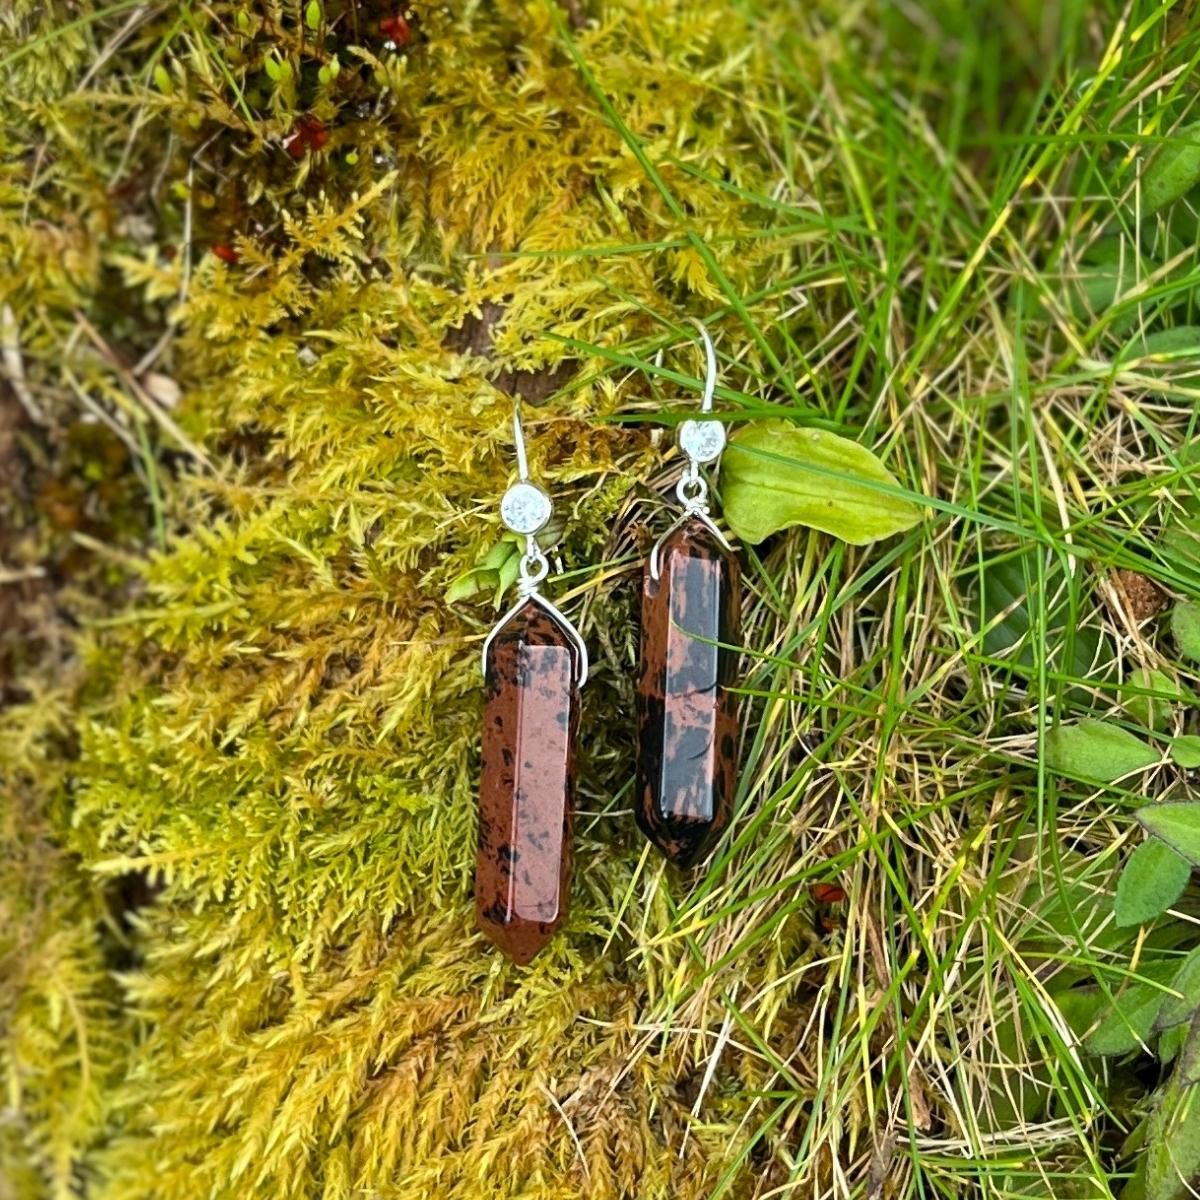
(525, 508)
(702, 440)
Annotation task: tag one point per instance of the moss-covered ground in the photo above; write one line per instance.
(271, 277)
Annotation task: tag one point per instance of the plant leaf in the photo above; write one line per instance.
(465, 586)
(1181, 547)
(1125, 1022)
(1178, 824)
(1173, 1137)
(499, 567)
(1170, 1042)
(1101, 281)
(1096, 750)
(509, 569)
(1153, 879)
(1173, 171)
(1130, 1021)
(1182, 341)
(1185, 625)
(1151, 711)
(1185, 751)
(1177, 1010)
(1110, 270)
(776, 475)
(1011, 591)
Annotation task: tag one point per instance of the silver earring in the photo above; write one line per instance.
(534, 663)
(687, 711)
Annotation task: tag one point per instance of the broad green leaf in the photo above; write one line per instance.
(1077, 905)
(1178, 824)
(1080, 1008)
(1096, 750)
(508, 572)
(1177, 1010)
(1125, 1023)
(1185, 751)
(1098, 286)
(464, 587)
(1153, 879)
(1130, 1021)
(1170, 1042)
(498, 555)
(1173, 1138)
(312, 14)
(1172, 171)
(1111, 277)
(1185, 625)
(1011, 1103)
(1183, 341)
(776, 475)
(1006, 615)
(1151, 711)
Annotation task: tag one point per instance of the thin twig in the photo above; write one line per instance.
(140, 394)
(14, 366)
(101, 413)
(570, 1130)
(20, 574)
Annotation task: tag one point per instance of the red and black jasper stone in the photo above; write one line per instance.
(523, 863)
(687, 716)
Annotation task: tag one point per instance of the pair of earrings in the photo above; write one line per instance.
(535, 662)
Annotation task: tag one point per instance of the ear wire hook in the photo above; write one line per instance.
(702, 441)
(710, 367)
(519, 441)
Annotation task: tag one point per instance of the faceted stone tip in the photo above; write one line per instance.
(684, 848)
(523, 858)
(521, 941)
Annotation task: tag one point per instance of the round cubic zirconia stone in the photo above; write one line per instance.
(525, 508)
(702, 440)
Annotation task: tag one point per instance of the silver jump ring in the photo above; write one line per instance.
(692, 491)
(534, 567)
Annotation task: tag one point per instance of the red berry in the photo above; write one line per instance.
(827, 893)
(225, 253)
(307, 134)
(396, 29)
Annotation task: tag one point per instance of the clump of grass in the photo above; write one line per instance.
(922, 230)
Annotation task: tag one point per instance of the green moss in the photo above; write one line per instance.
(279, 734)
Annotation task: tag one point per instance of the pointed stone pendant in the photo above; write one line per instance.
(687, 718)
(523, 863)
